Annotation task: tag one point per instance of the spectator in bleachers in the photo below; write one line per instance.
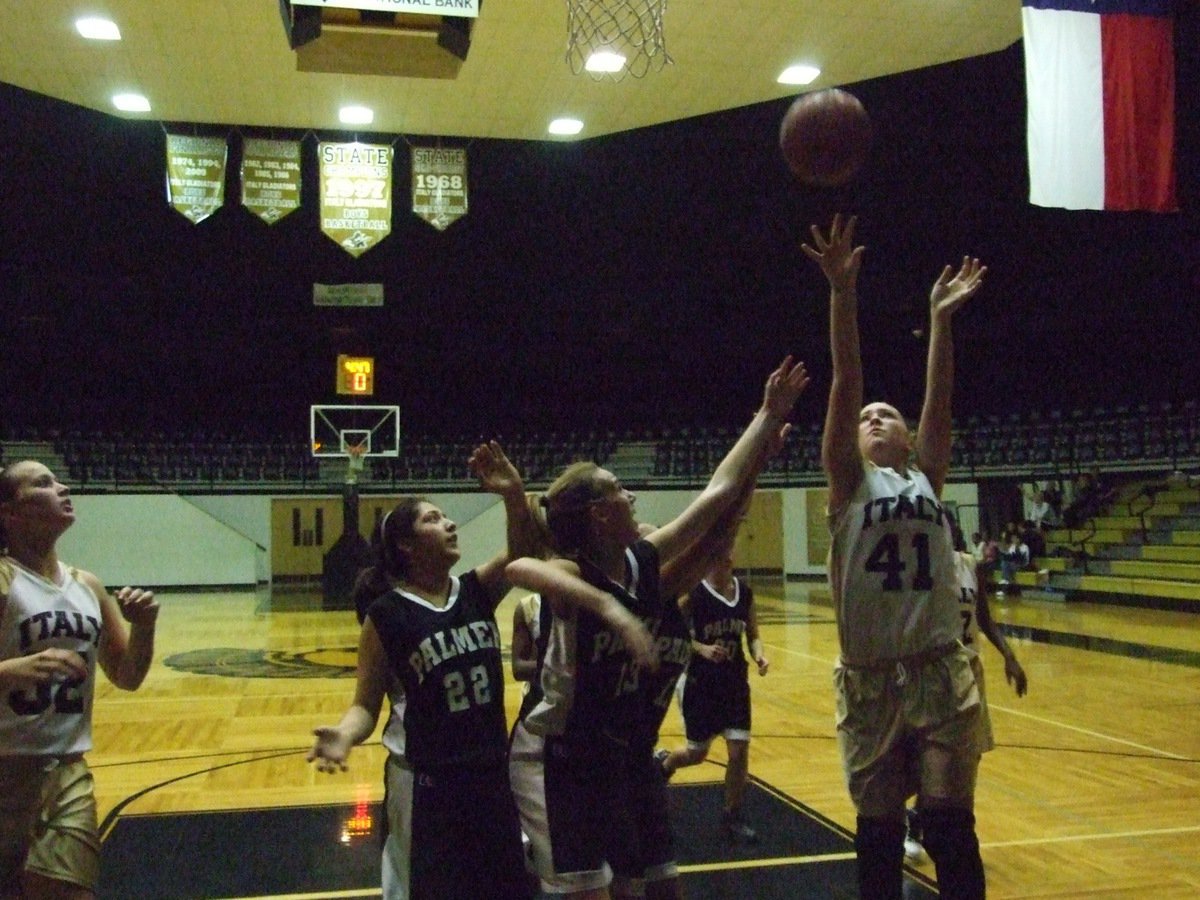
(1053, 493)
(986, 552)
(1013, 558)
(1037, 508)
(1091, 496)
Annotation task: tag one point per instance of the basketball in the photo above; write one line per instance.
(825, 137)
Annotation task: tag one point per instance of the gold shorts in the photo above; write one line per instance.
(987, 740)
(48, 820)
(909, 727)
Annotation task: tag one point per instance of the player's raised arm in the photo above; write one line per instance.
(497, 475)
(839, 260)
(740, 465)
(948, 294)
(686, 569)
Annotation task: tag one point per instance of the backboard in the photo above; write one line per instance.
(334, 428)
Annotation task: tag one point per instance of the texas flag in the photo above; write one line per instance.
(1100, 79)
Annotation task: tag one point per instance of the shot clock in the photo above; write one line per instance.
(355, 375)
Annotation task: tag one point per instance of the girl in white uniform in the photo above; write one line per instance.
(907, 702)
(56, 624)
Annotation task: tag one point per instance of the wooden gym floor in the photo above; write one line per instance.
(1093, 789)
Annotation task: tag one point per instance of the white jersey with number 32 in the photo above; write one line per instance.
(54, 718)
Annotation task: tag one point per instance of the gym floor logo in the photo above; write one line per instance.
(236, 662)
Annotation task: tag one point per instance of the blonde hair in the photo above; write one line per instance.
(567, 506)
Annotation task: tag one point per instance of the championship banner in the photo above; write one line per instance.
(356, 194)
(439, 185)
(270, 178)
(196, 175)
(347, 295)
(465, 8)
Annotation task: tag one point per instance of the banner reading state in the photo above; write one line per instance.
(356, 194)
(196, 175)
(439, 185)
(270, 178)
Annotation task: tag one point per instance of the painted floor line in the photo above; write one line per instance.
(1112, 835)
(767, 863)
(1097, 734)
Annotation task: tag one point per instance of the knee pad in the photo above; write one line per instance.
(950, 841)
(948, 828)
(879, 845)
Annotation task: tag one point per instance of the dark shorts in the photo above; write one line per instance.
(464, 837)
(716, 705)
(603, 810)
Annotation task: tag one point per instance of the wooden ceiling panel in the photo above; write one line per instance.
(228, 62)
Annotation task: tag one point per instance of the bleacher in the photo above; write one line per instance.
(1149, 439)
(230, 463)
(1144, 550)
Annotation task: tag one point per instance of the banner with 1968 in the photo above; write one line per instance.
(439, 185)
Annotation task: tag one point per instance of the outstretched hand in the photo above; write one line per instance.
(837, 256)
(784, 387)
(951, 292)
(330, 750)
(495, 473)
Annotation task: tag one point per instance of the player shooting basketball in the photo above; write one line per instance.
(907, 701)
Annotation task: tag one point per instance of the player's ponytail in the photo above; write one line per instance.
(389, 561)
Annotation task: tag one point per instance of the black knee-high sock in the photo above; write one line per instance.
(879, 845)
(951, 843)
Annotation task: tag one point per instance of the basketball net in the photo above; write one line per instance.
(610, 39)
(355, 460)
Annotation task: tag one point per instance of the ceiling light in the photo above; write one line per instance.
(605, 62)
(799, 75)
(98, 29)
(131, 103)
(356, 115)
(565, 126)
